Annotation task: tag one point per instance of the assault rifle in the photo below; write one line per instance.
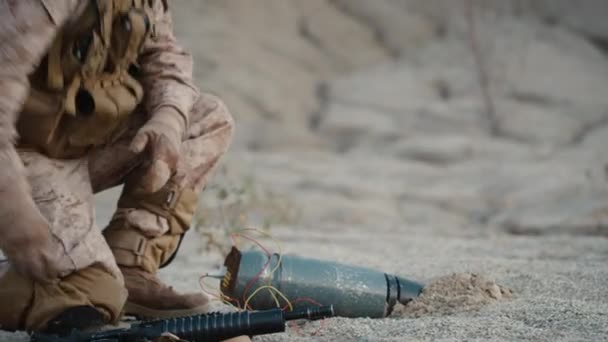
(199, 328)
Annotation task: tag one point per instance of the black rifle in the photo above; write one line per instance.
(198, 328)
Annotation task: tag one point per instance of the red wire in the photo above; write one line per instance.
(259, 274)
(252, 240)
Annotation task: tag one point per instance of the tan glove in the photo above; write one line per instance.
(25, 236)
(160, 138)
(34, 255)
(29, 249)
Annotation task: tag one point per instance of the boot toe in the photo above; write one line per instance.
(194, 300)
(150, 298)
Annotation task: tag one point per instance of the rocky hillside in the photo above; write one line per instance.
(379, 105)
(275, 63)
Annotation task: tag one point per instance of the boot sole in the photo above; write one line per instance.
(142, 312)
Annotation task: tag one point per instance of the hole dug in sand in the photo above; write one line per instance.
(459, 292)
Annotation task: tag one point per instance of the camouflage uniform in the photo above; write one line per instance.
(146, 228)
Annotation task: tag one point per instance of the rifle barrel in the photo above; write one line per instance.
(310, 313)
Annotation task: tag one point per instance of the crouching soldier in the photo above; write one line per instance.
(93, 94)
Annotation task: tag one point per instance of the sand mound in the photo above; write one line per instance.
(458, 292)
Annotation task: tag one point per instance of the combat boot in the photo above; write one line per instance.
(149, 297)
(140, 255)
(139, 258)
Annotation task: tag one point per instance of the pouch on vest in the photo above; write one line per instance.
(91, 72)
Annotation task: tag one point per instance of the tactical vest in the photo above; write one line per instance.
(85, 88)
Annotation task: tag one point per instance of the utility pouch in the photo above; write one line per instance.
(88, 80)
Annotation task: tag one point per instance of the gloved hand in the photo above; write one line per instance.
(27, 244)
(160, 138)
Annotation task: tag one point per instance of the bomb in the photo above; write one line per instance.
(252, 276)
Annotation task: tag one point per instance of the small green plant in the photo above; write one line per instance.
(236, 202)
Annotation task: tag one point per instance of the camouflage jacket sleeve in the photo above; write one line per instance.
(27, 28)
(166, 69)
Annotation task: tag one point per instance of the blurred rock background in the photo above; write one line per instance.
(431, 112)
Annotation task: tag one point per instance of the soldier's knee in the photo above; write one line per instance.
(29, 305)
(224, 112)
(213, 113)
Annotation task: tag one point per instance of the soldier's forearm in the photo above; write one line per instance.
(167, 70)
(168, 80)
(13, 91)
(27, 28)
(14, 190)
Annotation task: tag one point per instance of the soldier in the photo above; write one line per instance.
(94, 94)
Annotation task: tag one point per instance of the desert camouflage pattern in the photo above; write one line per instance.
(62, 190)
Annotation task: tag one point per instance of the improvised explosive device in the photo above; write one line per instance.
(353, 291)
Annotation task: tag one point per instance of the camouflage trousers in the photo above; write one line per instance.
(63, 189)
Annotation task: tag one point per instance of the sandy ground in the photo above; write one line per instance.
(557, 283)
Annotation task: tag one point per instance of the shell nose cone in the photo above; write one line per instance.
(408, 290)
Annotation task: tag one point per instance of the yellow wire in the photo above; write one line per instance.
(270, 288)
(273, 290)
(222, 297)
(276, 267)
